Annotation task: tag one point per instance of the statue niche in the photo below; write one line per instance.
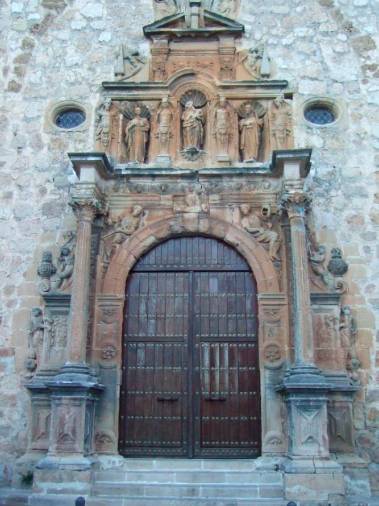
(252, 131)
(193, 120)
(164, 130)
(223, 125)
(136, 132)
(279, 126)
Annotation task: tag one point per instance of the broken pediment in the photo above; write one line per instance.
(194, 22)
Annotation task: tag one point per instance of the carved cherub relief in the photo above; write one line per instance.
(118, 231)
(260, 227)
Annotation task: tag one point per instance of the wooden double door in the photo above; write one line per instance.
(190, 382)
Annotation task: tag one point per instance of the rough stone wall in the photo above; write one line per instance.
(63, 49)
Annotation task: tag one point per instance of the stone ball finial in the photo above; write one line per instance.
(337, 265)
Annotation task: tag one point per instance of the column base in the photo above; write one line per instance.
(69, 462)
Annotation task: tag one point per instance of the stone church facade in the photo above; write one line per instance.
(189, 250)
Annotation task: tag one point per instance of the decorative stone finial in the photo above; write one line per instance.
(45, 270)
(337, 265)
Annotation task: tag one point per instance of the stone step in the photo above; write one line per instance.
(189, 477)
(173, 491)
(183, 502)
(163, 464)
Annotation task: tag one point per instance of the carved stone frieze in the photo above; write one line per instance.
(107, 328)
(195, 201)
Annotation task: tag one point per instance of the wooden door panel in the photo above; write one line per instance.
(154, 395)
(190, 382)
(227, 390)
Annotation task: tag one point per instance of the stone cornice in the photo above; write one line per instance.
(98, 161)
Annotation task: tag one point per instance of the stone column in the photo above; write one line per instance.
(85, 212)
(295, 202)
(305, 387)
(75, 389)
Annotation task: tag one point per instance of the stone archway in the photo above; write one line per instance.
(190, 371)
(272, 317)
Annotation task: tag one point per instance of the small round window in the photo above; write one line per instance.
(321, 112)
(70, 118)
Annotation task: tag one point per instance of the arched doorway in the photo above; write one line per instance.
(190, 382)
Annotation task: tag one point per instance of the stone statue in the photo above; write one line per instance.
(192, 127)
(36, 328)
(348, 328)
(250, 133)
(164, 134)
(221, 127)
(136, 137)
(35, 340)
(102, 123)
(348, 336)
(65, 263)
(256, 62)
(261, 229)
(128, 62)
(279, 128)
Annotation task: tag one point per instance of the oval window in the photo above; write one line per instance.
(320, 114)
(69, 118)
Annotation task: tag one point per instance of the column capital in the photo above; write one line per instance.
(294, 199)
(87, 201)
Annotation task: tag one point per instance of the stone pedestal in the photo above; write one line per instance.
(73, 396)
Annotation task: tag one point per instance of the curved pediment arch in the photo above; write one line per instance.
(147, 237)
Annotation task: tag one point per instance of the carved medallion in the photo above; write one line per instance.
(272, 353)
(108, 352)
